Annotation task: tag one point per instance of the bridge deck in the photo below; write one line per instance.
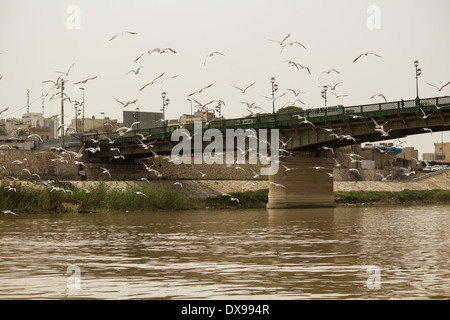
(320, 116)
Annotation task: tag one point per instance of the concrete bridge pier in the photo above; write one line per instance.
(303, 186)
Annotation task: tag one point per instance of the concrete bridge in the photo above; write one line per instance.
(305, 135)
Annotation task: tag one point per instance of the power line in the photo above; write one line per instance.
(27, 105)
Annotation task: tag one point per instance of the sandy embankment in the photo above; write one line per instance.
(212, 188)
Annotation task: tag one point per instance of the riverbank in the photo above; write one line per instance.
(64, 197)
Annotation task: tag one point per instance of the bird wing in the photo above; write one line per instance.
(440, 89)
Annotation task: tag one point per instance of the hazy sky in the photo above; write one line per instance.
(38, 38)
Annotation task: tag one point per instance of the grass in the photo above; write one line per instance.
(32, 199)
(405, 196)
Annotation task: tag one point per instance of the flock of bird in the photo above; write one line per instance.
(66, 156)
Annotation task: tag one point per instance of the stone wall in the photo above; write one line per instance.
(37, 165)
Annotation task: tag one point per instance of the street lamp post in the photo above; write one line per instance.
(164, 104)
(324, 94)
(274, 89)
(136, 116)
(418, 73)
(219, 108)
(77, 113)
(82, 120)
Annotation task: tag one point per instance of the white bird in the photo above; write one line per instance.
(123, 33)
(151, 82)
(327, 148)
(135, 71)
(117, 157)
(379, 95)
(85, 80)
(145, 179)
(119, 188)
(328, 72)
(35, 135)
(290, 44)
(235, 199)
(159, 50)
(141, 193)
(317, 167)
(295, 92)
(439, 88)
(282, 41)
(424, 114)
(223, 194)
(287, 168)
(354, 170)
(366, 54)
(200, 91)
(65, 73)
(427, 129)
(115, 149)
(178, 183)
(330, 174)
(106, 171)
(126, 103)
(9, 212)
(277, 184)
(245, 89)
(212, 54)
(298, 65)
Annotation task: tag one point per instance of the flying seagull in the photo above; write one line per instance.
(298, 65)
(85, 80)
(122, 33)
(66, 73)
(211, 54)
(245, 89)
(328, 72)
(379, 95)
(291, 44)
(149, 52)
(127, 103)
(439, 88)
(295, 92)
(365, 54)
(201, 90)
(282, 41)
(152, 82)
(134, 71)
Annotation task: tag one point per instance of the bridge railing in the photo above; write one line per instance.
(317, 115)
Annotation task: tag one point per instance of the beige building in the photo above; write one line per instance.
(442, 151)
(197, 116)
(93, 125)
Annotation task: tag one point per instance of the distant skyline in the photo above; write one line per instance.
(38, 38)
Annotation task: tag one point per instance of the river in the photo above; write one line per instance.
(342, 253)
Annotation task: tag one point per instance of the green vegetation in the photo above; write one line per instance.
(405, 196)
(65, 197)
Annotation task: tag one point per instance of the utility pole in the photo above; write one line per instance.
(62, 112)
(28, 100)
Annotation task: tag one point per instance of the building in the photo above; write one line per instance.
(442, 151)
(146, 119)
(30, 122)
(197, 116)
(410, 158)
(93, 125)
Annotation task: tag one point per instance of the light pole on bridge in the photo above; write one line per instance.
(418, 73)
(274, 89)
(324, 94)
